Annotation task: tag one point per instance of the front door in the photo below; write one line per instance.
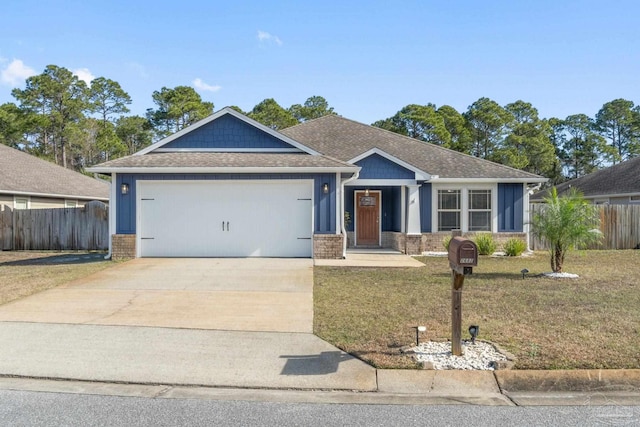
(367, 218)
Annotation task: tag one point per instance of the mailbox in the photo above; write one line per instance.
(463, 255)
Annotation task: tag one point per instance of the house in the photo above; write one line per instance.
(229, 186)
(615, 185)
(27, 182)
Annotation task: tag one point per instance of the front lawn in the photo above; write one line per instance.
(590, 322)
(23, 273)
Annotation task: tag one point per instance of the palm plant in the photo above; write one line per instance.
(564, 223)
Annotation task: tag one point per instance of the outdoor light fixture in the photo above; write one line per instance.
(418, 330)
(366, 192)
(473, 331)
(124, 188)
(524, 271)
(325, 188)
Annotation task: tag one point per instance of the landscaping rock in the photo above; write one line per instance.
(479, 356)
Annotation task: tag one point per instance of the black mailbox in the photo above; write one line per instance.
(463, 255)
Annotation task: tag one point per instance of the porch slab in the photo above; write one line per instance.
(384, 258)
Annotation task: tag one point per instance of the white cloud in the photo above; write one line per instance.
(199, 84)
(266, 38)
(84, 74)
(16, 73)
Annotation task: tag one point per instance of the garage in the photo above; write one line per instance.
(225, 218)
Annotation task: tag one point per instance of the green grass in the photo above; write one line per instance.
(24, 273)
(590, 322)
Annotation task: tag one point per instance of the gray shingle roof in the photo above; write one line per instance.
(223, 160)
(346, 139)
(622, 178)
(24, 173)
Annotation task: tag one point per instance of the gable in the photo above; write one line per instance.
(228, 133)
(377, 167)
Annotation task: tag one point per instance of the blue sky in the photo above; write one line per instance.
(367, 58)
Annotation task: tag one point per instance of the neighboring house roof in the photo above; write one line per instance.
(618, 180)
(346, 140)
(24, 174)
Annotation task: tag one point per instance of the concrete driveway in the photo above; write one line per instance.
(235, 294)
(205, 322)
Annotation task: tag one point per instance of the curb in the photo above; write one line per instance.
(581, 380)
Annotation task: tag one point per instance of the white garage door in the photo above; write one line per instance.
(225, 218)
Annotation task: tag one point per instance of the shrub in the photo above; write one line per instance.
(445, 242)
(566, 222)
(486, 244)
(514, 247)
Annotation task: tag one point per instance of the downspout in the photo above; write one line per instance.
(343, 229)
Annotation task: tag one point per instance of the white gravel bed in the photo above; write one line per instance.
(561, 275)
(478, 356)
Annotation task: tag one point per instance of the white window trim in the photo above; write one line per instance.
(16, 198)
(438, 210)
(68, 202)
(464, 203)
(470, 210)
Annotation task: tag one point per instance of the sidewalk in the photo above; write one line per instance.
(395, 387)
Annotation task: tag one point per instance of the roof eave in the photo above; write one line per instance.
(234, 169)
(487, 180)
(54, 195)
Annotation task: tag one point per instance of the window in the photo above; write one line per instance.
(479, 210)
(448, 210)
(70, 203)
(21, 203)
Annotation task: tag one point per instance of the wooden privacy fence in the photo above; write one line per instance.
(84, 228)
(620, 226)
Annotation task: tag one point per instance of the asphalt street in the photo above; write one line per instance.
(23, 408)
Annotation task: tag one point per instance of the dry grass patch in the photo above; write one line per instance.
(589, 322)
(26, 273)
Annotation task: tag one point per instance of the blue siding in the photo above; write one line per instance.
(348, 206)
(510, 207)
(426, 208)
(227, 131)
(324, 204)
(377, 167)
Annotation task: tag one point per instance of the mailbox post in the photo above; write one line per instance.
(463, 256)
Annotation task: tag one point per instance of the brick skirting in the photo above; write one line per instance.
(433, 242)
(123, 246)
(327, 246)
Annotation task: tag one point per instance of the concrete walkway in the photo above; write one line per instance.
(371, 258)
(210, 322)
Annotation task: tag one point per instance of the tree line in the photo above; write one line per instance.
(59, 117)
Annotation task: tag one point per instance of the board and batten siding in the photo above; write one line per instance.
(324, 204)
(426, 208)
(510, 208)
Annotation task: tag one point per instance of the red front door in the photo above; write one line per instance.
(367, 219)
